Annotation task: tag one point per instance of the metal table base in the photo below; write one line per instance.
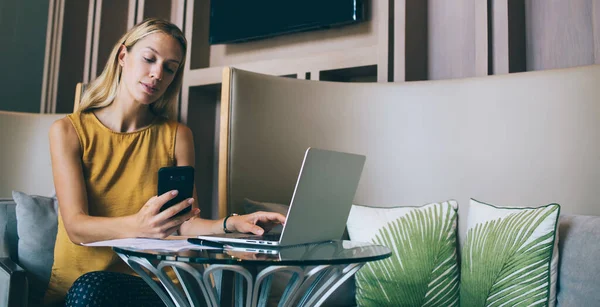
(199, 283)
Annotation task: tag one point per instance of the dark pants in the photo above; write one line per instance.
(111, 289)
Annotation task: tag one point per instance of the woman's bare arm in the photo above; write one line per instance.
(65, 151)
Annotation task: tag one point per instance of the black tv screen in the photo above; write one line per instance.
(234, 21)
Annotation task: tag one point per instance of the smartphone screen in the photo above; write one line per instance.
(180, 178)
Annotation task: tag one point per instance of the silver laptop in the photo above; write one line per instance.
(320, 204)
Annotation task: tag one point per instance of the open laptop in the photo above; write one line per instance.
(320, 204)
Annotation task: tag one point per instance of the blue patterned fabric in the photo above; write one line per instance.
(111, 289)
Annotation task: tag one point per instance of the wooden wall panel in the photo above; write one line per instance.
(596, 29)
(197, 33)
(499, 37)
(112, 25)
(559, 33)
(415, 47)
(457, 39)
(157, 8)
(517, 55)
(72, 57)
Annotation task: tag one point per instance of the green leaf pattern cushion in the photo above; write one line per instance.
(510, 256)
(423, 269)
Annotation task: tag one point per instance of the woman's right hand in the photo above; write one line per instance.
(152, 223)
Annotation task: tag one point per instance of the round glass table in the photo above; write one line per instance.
(204, 275)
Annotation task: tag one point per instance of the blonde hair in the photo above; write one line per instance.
(102, 91)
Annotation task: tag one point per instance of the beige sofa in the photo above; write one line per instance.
(519, 139)
(524, 139)
(25, 167)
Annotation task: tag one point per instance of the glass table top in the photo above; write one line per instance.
(331, 252)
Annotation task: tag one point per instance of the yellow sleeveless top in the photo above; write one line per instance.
(120, 171)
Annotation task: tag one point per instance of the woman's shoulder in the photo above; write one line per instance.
(62, 131)
(62, 125)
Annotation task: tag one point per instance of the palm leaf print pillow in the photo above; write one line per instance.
(423, 268)
(510, 256)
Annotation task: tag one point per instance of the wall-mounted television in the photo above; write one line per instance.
(233, 21)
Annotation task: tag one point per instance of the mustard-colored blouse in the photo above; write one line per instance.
(120, 171)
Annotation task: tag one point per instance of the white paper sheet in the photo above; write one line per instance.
(153, 244)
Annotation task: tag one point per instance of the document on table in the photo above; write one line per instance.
(172, 245)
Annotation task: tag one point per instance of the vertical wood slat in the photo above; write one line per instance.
(47, 58)
(89, 39)
(596, 30)
(188, 31)
(52, 84)
(381, 8)
(499, 29)
(481, 38)
(416, 40)
(178, 8)
(131, 14)
(399, 41)
(95, 40)
(141, 4)
(57, 46)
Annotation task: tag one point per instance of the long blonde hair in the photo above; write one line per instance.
(102, 91)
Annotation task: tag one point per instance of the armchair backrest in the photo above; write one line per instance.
(25, 153)
(517, 139)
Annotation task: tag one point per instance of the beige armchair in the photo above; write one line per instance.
(25, 166)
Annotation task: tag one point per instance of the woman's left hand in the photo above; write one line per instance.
(257, 223)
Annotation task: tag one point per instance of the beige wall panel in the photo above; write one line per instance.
(559, 33)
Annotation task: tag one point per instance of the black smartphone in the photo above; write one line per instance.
(180, 178)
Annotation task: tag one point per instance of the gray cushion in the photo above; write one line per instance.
(578, 271)
(37, 226)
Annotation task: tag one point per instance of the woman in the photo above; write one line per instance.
(106, 156)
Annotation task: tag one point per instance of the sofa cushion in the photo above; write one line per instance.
(510, 256)
(579, 272)
(37, 226)
(423, 269)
